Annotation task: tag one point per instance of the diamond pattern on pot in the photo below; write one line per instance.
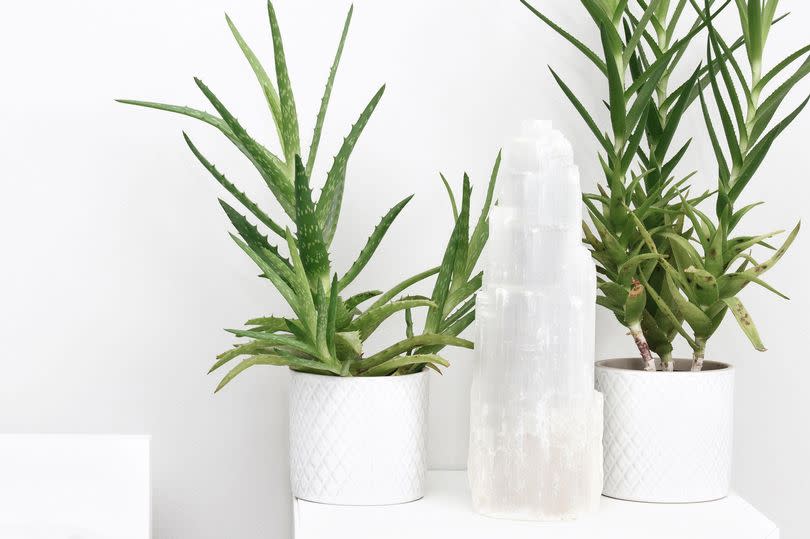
(358, 441)
(667, 436)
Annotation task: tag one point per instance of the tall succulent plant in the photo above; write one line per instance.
(327, 331)
(647, 226)
(709, 271)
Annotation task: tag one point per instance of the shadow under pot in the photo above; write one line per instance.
(668, 435)
(358, 440)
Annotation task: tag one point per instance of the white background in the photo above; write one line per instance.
(117, 273)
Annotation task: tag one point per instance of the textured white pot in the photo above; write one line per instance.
(358, 441)
(667, 435)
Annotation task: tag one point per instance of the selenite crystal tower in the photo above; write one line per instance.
(536, 421)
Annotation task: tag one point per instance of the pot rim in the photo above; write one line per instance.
(709, 367)
(358, 379)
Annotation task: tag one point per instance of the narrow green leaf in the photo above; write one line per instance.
(615, 90)
(759, 269)
(757, 154)
(327, 93)
(289, 125)
(275, 360)
(634, 40)
(583, 112)
(403, 361)
(746, 323)
(372, 243)
(592, 56)
(308, 231)
(331, 197)
(462, 249)
(450, 195)
(362, 297)
(269, 90)
(481, 231)
(268, 166)
(407, 283)
(426, 339)
(243, 199)
(371, 319)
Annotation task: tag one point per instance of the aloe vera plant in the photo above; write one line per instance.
(646, 227)
(326, 332)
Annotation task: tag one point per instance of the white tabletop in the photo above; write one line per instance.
(446, 511)
(55, 486)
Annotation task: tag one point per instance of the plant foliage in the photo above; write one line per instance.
(668, 266)
(327, 331)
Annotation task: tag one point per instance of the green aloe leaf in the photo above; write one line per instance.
(592, 56)
(331, 318)
(247, 349)
(274, 339)
(404, 285)
(693, 315)
(462, 249)
(583, 112)
(286, 291)
(781, 66)
(757, 154)
(768, 108)
(371, 319)
(275, 360)
(271, 170)
(372, 243)
(627, 271)
(615, 90)
(731, 284)
(480, 233)
(269, 90)
(461, 293)
(704, 284)
(290, 138)
(441, 288)
(746, 323)
(308, 231)
(404, 361)
(331, 197)
(451, 196)
(362, 297)
(327, 93)
(259, 244)
(269, 323)
(634, 40)
(668, 312)
(426, 339)
(243, 199)
(759, 269)
(304, 306)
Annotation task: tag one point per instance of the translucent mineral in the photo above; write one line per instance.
(536, 421)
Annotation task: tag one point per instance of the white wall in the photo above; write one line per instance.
(117, 274)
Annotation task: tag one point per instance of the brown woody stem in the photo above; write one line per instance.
(643, 346)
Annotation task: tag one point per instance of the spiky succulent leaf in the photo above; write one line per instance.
(331, 198)
(371, 319)
(372, 243)
(290, 138)
(327, 93)
(746, 323)
(308, 230)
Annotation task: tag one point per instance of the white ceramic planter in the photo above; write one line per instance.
(668, 435)
(358, 441)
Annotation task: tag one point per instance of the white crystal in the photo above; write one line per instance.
(536, 421)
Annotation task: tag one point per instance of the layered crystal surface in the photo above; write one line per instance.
(536, 421)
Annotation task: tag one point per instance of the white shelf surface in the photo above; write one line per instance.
(446, 511)
(63, 486)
